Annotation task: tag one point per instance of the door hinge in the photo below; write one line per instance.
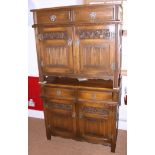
(45, 105)
(113, 66)
(40, 36)
(42, 64)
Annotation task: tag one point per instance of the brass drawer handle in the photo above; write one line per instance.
(58, 92)
(53, 18)
(92, 15)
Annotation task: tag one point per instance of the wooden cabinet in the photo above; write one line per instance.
(76, 43)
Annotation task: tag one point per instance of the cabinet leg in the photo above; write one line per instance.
(48, 135)
(113, 147)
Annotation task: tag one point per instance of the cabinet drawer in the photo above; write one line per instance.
(95, 95)
(53, 17)
(94, 14)
(58, 93)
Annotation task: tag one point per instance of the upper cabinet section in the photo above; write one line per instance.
(78, 41)
(78, 14)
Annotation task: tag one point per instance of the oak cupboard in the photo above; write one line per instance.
(79, 61)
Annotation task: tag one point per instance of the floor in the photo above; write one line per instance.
(39, 145)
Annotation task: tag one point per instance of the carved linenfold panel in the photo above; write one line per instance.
(95, 55)
(56, 56)
(95, 110)
(61, 106)
(53, 35)
(95, 34)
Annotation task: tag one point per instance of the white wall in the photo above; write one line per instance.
(32, 57)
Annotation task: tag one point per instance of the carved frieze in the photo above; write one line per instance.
(53, 35)
(95, 110)
(95, 34)
(61, 106)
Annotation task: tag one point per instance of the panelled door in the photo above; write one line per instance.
(95, 49)
(61, 117)
(94, 122)
(56, 50)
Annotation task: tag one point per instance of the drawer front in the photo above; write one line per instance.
(53, 17)
(94, 14)
(59, 93)
(95, 95)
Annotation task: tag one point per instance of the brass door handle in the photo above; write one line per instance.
(69, 42)
(77, 41)
(73, 115)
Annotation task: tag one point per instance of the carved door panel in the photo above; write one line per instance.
(61, 117)
(56, 50)
(94, 122)
(96, 48)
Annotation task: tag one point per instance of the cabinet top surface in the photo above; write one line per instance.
(74, 6)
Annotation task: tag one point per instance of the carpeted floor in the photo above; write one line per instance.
(39, 145)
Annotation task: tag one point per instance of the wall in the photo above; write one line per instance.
(32, 61)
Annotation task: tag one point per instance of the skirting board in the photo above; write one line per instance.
(36, 114)
(39, 114)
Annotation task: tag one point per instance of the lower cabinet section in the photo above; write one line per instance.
(81, 118)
